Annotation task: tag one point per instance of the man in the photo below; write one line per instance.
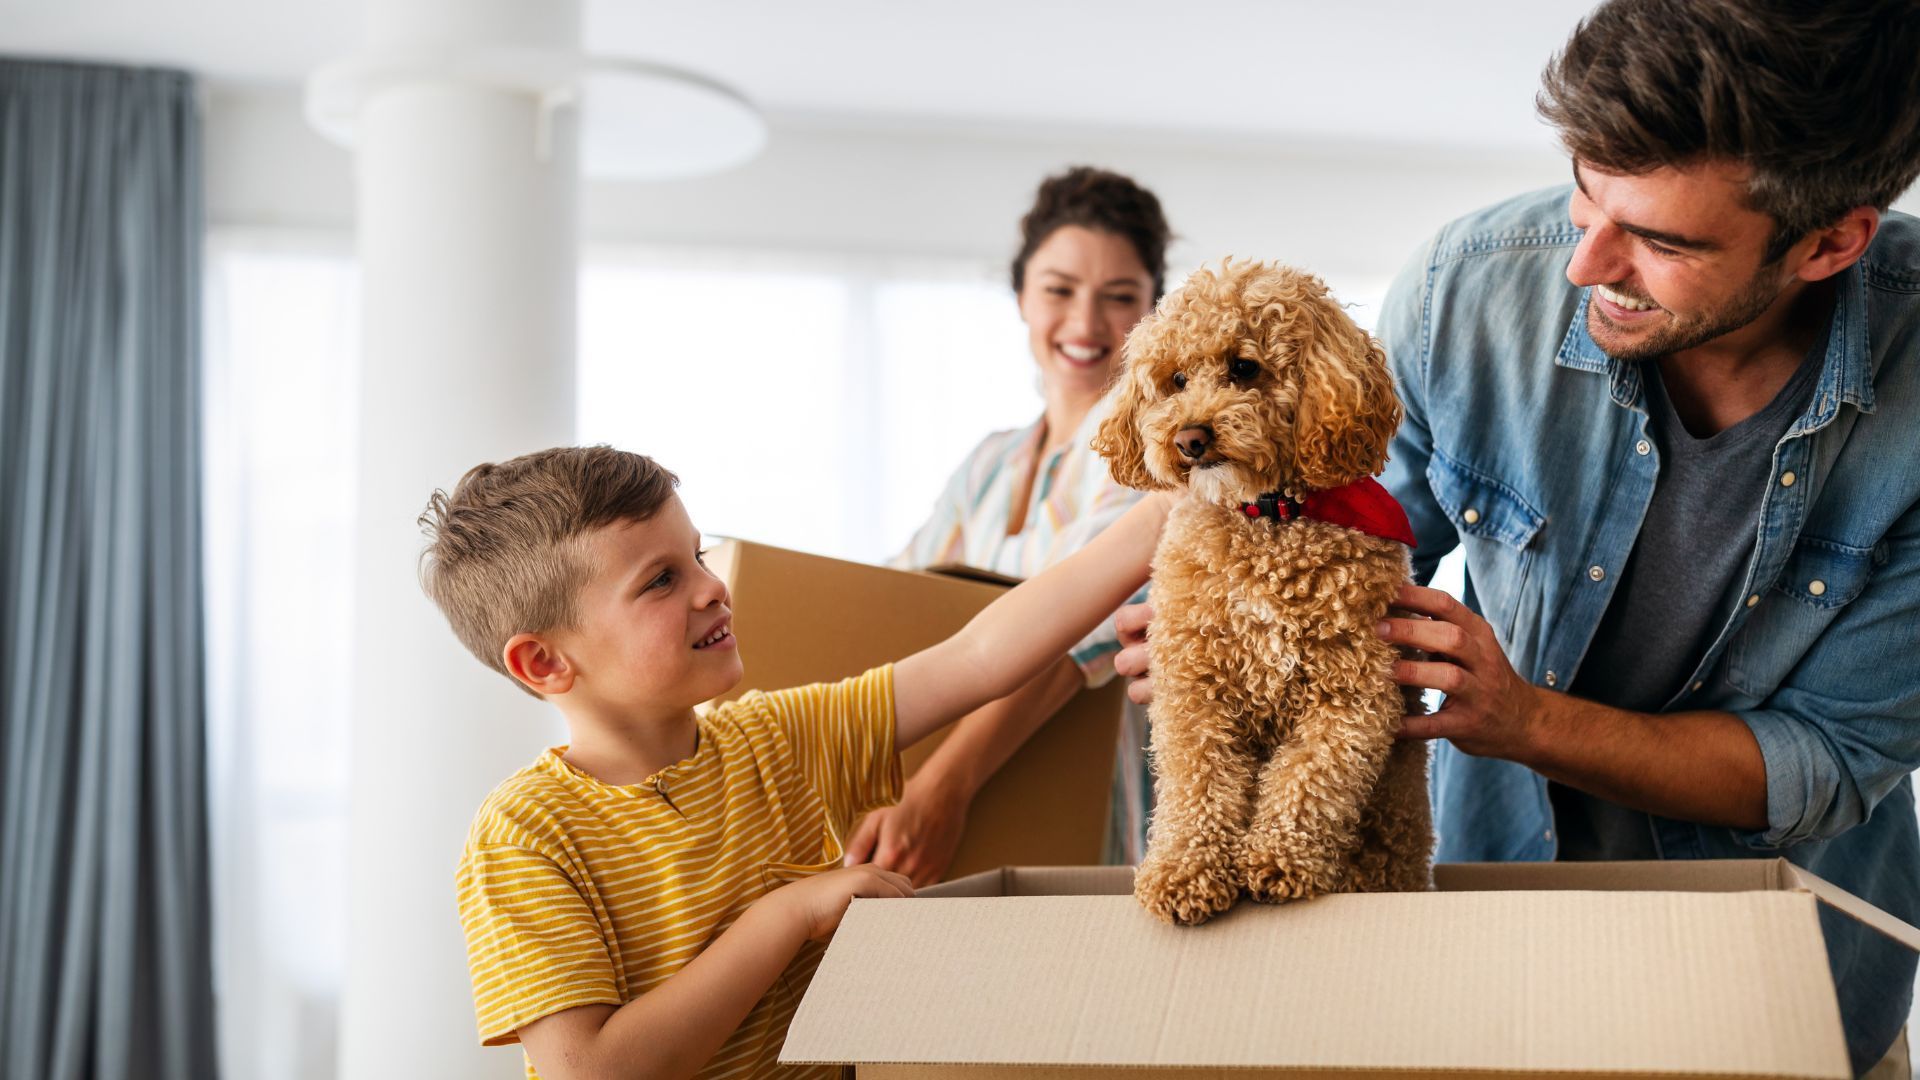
(1672, 417)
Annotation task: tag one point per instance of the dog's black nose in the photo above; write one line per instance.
(1194, 441)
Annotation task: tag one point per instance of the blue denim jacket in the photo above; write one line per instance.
(1527, 446)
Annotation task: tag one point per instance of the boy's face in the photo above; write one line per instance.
(655, 628)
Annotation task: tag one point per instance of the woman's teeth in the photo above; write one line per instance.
(1626, 301)
(1083, 354)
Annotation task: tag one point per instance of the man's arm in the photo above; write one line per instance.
(673, 1030)
(1035, 623)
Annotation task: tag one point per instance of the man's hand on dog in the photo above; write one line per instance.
(1489, 707)
(1131, 661)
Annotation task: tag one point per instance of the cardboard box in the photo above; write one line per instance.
(1561, 969)
(804, 618)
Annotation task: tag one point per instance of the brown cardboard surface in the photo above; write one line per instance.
(805, 618)
(1697, 969)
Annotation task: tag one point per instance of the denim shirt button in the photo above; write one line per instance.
(1596, 573)
(1470, 516)
(1786, 479)
(1697, 685)
(1817, 587)
(1552, 680)
(1643, 448)
(1752, 600)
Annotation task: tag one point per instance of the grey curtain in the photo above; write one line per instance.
(105, 965)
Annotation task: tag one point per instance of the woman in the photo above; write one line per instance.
(1092, 263)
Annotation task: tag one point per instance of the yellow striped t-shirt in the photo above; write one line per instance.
(574, 892)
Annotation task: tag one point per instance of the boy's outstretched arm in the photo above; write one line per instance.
(1007, 644)
(672, 1030)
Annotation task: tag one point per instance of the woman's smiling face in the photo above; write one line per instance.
(1083, 291)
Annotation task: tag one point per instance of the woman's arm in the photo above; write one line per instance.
(918, 837)
(1033, 625)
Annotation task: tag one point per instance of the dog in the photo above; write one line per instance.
(1277, 771)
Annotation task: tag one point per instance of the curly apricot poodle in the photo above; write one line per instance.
(1276, 768)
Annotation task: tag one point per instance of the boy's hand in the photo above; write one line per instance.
(1131, 660)
(817, 903)
(917, 838)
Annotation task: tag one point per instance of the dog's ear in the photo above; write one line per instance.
(1118, 438)
(1348, 411)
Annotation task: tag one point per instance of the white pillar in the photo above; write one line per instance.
(468, 256)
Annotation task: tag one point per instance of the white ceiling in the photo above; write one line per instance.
(1390, 71)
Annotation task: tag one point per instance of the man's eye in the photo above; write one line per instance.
(1179, 380)
(1242, 370)
(1660, 249)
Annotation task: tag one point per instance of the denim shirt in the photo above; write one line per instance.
(1527, 446)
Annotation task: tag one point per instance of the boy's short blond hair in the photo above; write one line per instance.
(504, 553)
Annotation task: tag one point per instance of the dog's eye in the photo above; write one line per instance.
(1179, 380)
(1242, 370)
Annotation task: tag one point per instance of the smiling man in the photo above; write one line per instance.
(1672, 416)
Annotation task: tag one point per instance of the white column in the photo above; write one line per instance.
(468, 250)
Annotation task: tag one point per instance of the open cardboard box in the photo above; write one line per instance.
(805, 618)
(1517, 969)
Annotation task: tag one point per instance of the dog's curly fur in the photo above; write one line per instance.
(1275, 708)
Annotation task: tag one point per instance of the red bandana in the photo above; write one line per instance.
(1362, 505)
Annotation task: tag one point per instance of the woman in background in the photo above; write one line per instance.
(1092, 262)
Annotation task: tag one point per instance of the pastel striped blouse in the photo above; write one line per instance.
(574, 892)
(1073, 497)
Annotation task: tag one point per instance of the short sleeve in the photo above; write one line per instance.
(942, 537)
(842, 736)
(534, 947)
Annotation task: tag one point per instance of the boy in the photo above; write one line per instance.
(652, 898)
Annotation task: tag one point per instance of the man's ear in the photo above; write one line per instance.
(1839, 245)
(538, 664)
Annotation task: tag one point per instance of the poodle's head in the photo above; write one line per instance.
(1247, 379)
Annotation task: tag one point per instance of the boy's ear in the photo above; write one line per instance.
(537, 664)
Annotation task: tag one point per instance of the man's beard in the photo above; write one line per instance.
(1681, 334)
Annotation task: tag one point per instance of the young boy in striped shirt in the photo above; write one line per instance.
(651, 899)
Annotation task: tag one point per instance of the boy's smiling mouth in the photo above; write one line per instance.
(721, 634)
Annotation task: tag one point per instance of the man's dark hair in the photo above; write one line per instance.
(1819, 98)
(1104, 202)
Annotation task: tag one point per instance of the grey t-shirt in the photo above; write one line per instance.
(1677, 587)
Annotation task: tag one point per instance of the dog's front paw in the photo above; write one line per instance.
(1273, 876)
(1186, 891)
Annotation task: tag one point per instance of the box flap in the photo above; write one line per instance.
(1676, 875)
(1709, 983)
(973, 573)
(1850, 905)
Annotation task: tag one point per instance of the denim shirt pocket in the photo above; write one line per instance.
(1820, 578)
(1496, 527)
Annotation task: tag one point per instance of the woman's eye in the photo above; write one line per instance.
(1059, 290)
(1123, 298)
(1242, 370)
(1179, 380)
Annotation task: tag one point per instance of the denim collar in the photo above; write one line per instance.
(1847, 375)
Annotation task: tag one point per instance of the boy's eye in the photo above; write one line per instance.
(1242, 370)
(665, 579)
(700, 556)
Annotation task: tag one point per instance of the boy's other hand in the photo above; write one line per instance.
(917, 838)
(817, 903)
(1131, 661)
